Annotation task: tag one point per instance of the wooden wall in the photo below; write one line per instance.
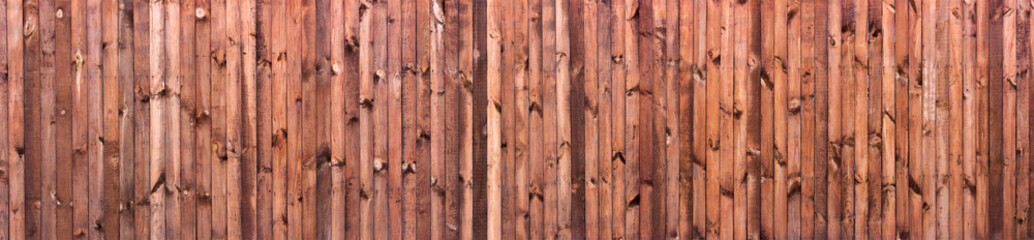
(528, 119)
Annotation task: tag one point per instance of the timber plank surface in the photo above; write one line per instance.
(529, 119)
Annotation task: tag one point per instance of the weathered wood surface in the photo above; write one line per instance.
(527, 119)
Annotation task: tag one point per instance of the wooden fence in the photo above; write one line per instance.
(527, 119)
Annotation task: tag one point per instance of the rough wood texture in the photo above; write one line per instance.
(528, 119)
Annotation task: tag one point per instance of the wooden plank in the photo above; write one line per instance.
(393, 116)
(848, 112)
(313, 128)
(584, 48)
(235, 100)
(248, 143)
(822, 138)
(887, 116)
(874, 114)
(280, 116)
(768, 185)
(438, 125)
(605, 100)
(955, 118)
(1021, 83)
(126, 115)
(835, 140)
(263, 187)
(999, 197)
(64, 93)
(685, 121)
(323, 155)
(15, 105)
(141, 120)
(204, 154)
(33, 119)
(915, 158)
(741, 107)
(1008, 113)
(350, 69)
(159, 97)
(508, 131)
(217, 40)
(807, 117)
(110, 125)
(929, 120)
(171, 118)
(549, 118)
(366, 118)
(6, 124)
(648, 156)
(47, 101)
(715, 19)
(495, 98)
(753, 119)
(983, 32)
(902, 33)
(780, 103)
(187, 121)
(788, 110)
(969, 119)
(668, 133)
(564, 81)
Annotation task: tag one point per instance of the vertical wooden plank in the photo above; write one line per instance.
(668, 133)
(535, 140)
(969, 119)
(941, 132)
(807, 118)
(323, 185)
(783, 203)
(929, 113)
(887, 116)
(823, 149)
(583, 53)
(126, 116)
(794, 125)
(15, 118)
(564, 158)
(741, 107)
(873, 151)
(280, 111)
(220, 184)
(715, 20)
(263, 223)
(549, 118)
(495, 98)
(1021, 84)
(338, 159)
(605, 85)
(159, 96)
(33, 119)
(249, 118)
(366, 118)
(1000, 199)
(141, 121)
(234, 99)
(508, 94)
(64, 103)
(983, 32)
(438, 125)
(187, 121)
(632, 122)
(395, 53)
(172, 92)
(111, 94)
(753, 120)
(955, 115)
(351, 71)
(835, 141)
(382, 12)
(848, 112)
(6, 124)
(915, 120)
(47, 101)
(860, 66)
(204, 153)
(903, 34)
(312, 128)
(768, 185)
(686, 116)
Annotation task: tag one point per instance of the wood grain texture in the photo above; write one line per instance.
(529, 119)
